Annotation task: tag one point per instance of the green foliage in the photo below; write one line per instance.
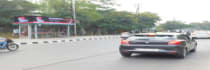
(148, 19)
(172, 25)
(98, 16)
(205, 25)
(119, 21)
(11, 8)
(93, 16)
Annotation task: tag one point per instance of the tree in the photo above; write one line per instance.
(148, 19)
(98, 16)
(118, 21)
(11, 8)
(172, 25)
(205, 25)
(87, 11)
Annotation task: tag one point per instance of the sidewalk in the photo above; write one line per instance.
(59, 40)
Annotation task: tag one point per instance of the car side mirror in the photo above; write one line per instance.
(188, 33)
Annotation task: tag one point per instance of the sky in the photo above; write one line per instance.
(183, 10)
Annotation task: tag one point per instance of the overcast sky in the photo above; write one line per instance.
(184, 10)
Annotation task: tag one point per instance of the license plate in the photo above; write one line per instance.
(148, 50)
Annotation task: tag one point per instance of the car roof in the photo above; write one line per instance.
(160, 33)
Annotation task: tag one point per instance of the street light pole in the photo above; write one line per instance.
(137, 15)
(74, 17)
(138, 10)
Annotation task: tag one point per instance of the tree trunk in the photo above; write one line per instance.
(83, 31)
(99, 31)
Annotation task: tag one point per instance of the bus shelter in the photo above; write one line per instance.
(31, 24)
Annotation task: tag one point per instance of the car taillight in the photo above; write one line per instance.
(124, 42)
(174, 42)
(151, 35)
(193, 33)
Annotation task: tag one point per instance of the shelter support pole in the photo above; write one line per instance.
(74, 16)
(19, 31)
(35, 31)
(29, 31)
(68, 30)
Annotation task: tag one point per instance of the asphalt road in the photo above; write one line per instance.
(98, 55)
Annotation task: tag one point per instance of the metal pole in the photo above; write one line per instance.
(19, 31)
(35, 31)
(138, 10)
(74, 17)
(68, 31)
(137, 15)
(29, 32)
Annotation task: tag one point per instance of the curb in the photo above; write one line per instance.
(70, 40)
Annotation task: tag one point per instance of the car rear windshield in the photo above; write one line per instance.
(152, 37)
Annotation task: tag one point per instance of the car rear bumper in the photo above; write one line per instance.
(151, 49)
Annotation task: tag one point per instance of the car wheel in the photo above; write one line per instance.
(12, 47)
(193, 50)
(182, 54)
(125, 54)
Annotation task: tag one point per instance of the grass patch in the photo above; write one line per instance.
(8, 35)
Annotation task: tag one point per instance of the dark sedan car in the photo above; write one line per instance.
(167, 43)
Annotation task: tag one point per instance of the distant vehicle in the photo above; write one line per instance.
(125, 35)
(201, 34)
(167, 43)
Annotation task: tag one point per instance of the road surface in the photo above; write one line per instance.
(98, 55)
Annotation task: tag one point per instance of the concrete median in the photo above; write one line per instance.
(63, 40)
